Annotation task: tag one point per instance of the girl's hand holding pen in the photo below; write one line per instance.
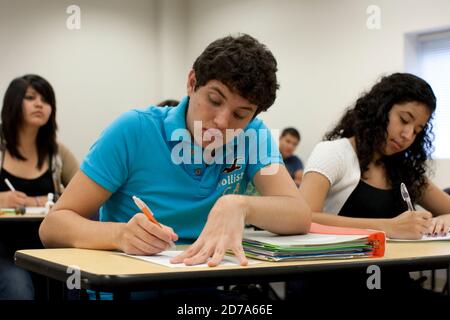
(409, 225)
(13, 199)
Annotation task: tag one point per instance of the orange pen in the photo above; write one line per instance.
(145, 209)
(142, 206)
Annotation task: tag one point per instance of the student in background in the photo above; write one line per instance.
(168, 103)
(32, 160)
(231, 82)
(288, 142)
(352, 179)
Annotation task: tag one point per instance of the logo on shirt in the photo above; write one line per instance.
(231, 181)
(233, 167)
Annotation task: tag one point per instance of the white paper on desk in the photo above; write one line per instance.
(34, 210)
(163, 258)
(424, 238)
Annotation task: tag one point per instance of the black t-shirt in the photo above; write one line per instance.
(39, 186)
(367, 201)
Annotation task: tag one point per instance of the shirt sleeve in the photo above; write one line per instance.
(326, 159)
(109, 159)
(262, 153)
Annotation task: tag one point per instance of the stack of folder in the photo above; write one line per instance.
(322, 242)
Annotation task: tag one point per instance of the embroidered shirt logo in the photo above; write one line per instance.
(233, 167)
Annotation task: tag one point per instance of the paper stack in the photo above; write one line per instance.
(322, 242)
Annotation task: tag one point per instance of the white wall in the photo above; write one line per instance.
(326, 54)
(172, 41)
(133, 53)
(105, 68)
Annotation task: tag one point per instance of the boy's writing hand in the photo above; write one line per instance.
(222, 232)
(139, 236)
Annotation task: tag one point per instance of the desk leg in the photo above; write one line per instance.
(433, 279)
(448, 281)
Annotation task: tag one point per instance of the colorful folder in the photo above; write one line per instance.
(322, 242)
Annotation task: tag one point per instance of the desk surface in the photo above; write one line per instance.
(108, 270)
(22, 217)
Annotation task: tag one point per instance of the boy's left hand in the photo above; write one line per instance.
(223, 231)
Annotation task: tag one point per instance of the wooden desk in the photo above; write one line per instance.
(21, 217)
(111, 271)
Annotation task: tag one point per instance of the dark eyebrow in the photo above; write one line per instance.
(219, 91)
(246, 108)
(411, 115)
(223, 96)
(414, 119)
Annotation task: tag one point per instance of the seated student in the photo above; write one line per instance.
(232, 81)
(168, 103)
(32, 160)
(288, 142)
(353, 178)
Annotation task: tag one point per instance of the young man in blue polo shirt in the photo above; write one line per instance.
(190, 164)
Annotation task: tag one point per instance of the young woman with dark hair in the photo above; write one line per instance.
(383, 141)
(353, 178)
(34, 163)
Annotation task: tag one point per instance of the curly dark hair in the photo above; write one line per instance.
(368, 119)
(244, 65)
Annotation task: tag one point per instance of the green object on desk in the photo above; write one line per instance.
(12, 211)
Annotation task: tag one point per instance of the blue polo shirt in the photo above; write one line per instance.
(140, 152)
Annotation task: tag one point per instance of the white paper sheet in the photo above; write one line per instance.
(424, 238)
(35, 210)
(163, 258)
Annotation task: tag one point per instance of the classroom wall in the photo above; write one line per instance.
(327, 56)
(131, 54)
(172, 42)
(98, 72)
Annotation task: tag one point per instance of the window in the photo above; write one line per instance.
(433, 65)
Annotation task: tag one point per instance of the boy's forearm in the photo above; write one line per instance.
(279, 214)
(64, 228)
